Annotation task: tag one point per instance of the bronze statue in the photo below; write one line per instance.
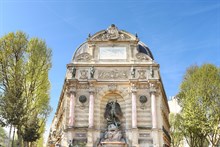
(113, 113)
(92, 72)
(133, 72)
(73, 72)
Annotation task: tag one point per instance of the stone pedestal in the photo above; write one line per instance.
(135, 136)
(90, 138)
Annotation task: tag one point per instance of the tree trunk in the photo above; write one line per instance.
(26, 144)
(9, 136)
(12, 145)
(19, 138)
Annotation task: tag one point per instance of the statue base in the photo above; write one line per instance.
(113, 144)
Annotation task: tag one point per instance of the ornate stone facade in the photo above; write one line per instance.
(121, 69)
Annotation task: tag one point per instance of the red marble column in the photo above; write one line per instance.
(134, 107)
(91, 109)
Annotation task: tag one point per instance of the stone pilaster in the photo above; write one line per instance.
(90, 141)
(72, 93)
(153, 108)
(155, 129)
(135, 134)
(90, 132)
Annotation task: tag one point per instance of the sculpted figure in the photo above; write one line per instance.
(73, 72)
(133, 72)
(92, 72)
(151, 71)
(113, 113)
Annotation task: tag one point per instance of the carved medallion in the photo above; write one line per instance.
(84, 57)
(113, 74)
(143, 99)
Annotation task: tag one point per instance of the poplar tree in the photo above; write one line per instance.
(199, 98)
(24, 83)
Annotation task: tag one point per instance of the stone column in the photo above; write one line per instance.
(154, 109)
(134, 116)
(155, 129)
(134, 107)
(91, 119)
(91, 109)
(72, 108)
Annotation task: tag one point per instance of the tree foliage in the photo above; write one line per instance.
(24, 84)
(199, 98)
(176, 130)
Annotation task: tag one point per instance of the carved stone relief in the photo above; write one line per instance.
(112, 33)
(113, 74)
(142, 57)
(112, 87)
(82, 86)
(83, 74)
(142, 74)
(143, 86)
(105, 37)
(84, 57)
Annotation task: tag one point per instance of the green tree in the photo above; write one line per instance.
(176, 130)
(24, 84)
(199, 98)
(2, 136)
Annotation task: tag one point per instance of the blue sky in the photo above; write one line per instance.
(179, 33)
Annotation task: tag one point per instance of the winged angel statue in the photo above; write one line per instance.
(113, 113)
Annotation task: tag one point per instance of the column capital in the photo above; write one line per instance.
(133, 89)
(71, 90)
(153, 88)
(91, 90)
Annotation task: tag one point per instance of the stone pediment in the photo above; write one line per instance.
(112, 34)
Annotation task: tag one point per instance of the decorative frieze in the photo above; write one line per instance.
(83, 86)
(113, 74)
(143, 86)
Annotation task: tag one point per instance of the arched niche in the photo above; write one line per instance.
(104, 101)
